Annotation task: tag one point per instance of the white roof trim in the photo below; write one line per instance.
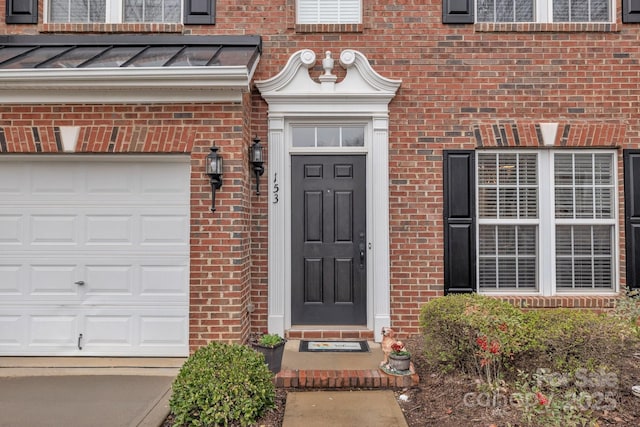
(124, 85)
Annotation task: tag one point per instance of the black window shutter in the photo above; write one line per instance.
(458, 11)
(632, 215)
(202, 12)
(459, 222)
(630, 11)
(22, 11)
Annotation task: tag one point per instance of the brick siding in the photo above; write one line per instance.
(463, 87)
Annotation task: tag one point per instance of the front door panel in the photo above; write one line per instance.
(328, 277)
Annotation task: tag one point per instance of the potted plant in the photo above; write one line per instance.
(399, 358)
(272, 346)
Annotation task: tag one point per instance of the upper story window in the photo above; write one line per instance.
(329, 11)
(544, 11)
(114, 11)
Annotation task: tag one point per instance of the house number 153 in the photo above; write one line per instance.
(276, 188)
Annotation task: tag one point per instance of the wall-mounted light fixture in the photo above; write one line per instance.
(214, 170)
(257, 161)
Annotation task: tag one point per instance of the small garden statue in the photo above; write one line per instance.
(397, 359)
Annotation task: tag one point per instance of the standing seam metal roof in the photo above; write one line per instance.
(122, 51)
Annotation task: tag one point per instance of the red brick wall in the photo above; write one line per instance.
(456, 79)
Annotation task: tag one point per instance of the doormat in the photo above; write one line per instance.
(334, 346)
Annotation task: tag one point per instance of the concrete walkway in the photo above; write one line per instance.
(377, 408)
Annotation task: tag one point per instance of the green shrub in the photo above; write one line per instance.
(472, 333)
(222, 384)
(628, 309)
(567, 339)
(486, 336)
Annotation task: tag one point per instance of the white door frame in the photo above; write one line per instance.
(363, 95)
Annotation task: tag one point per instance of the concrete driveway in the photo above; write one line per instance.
(85, 392)
(84, 401)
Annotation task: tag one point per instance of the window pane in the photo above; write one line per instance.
(584, 185)
(152, 10)
(303, 136)
(513, 193)
(353, 136)
(581, 10)
(584, 256)
(328, 137)
(77, 10)
(505, 10)
(599, 10)
(507, 257)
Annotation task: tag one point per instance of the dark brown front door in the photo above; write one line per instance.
(328, 259)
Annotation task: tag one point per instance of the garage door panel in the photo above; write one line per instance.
(164, 230)
(12, 329)
(112, 280)
(120, 226)
(58, 330)
(108, 180)
(164, 181)
(163, 330)
(109, 230)
(11, 230)
(54, 229)
(13, 178)
(54, 179)
(163, 280)
(108, 331)
(54, 280)
(11, 280)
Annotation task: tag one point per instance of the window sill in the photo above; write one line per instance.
(329, 28)
(585, 301)
(111, 28)
(532, 27)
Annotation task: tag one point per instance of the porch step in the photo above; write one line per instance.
(329, 332)
(365, 378)
(337, 370)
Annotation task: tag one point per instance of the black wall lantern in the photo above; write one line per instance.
(214, 170)
(257, 161)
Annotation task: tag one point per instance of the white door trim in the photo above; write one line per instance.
(362, 95)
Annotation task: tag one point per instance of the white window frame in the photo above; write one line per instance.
(114, 13)
(330, 4)
(543, 12)
(546, 223)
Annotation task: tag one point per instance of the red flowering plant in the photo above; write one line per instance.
(398, 349)
(489, 358)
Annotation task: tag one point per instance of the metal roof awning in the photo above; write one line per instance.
(126, 68)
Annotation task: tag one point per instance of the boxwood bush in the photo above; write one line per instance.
(222, 384)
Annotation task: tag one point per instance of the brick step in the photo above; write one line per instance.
(329, 334)
(365, 378)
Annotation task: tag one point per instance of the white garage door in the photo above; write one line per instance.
(94, 256)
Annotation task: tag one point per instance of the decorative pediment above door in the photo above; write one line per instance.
(361, 89)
